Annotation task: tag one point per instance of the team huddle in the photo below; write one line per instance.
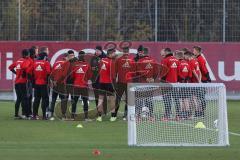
(107, 75)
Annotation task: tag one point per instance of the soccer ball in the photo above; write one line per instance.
(215, 123)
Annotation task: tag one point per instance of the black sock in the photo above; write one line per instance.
(99, 114)
(86, 115)
(113, 114)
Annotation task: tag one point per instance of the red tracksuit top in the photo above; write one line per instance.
(124, 65)
(81, 74)
(41, 70)
(56, 69)
(203, 67)
(147, 69)
(195, 66)
(31, 63)
(172, 64)
(20, 67)
(107, 71)
(184, 71)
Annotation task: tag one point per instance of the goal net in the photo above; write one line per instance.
(177, 114)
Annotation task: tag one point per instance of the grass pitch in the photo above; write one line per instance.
(61, 140)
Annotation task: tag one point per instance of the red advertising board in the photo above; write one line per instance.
(223, 58)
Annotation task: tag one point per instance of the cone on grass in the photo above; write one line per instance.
(79, 126)
(96, 152)
(200, 125)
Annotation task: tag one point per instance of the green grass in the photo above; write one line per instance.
(50, 140)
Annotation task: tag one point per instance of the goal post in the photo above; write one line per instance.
(179, 114)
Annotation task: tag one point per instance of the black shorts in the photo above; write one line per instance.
(80, 91)
(107, 88)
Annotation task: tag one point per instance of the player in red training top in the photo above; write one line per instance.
(64, 79)
(194, 65)
(172, 64)
(205, 78)
(41, 71)
(202, 64)
(123, 66)
(95, 61)
(57, 88)
(107, 78)
(196, 78)
(184, 68)
(146, 68)
(20, 69)
(31, 58)
(81, 74)
(146, 72)
(184, 76)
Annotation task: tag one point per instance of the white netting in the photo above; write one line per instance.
(177, 115)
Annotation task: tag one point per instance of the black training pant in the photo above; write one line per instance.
(29, 97)
(121, 88)
(21, 92)
(55, 94)
(83, 92)
(40, 93)
(168, 96)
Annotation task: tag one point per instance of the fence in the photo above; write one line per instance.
(135, 20)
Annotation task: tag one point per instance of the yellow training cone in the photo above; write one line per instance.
(79, 126)
(200, 125)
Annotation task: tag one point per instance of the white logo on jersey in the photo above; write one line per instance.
(58, 66)
(39, 68)
(18, 66)
(80, 70)
(126, 65)
(174, 65)
(148, 66)
(185, 69)
(103, 66)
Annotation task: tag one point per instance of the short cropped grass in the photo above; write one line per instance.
(61, 140)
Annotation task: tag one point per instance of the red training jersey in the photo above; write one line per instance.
(195, 67)
(171, 63)
(147, 70)
(107, 71)
(56, 69)
(184, 71)
(31, 63)
(81, 74)
(124, 65)
(20, 66)
(203, 66)
(41, 70)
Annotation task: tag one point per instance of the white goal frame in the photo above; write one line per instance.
(223, 135)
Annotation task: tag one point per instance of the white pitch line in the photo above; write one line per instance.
(232, 133)
(235, 134)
